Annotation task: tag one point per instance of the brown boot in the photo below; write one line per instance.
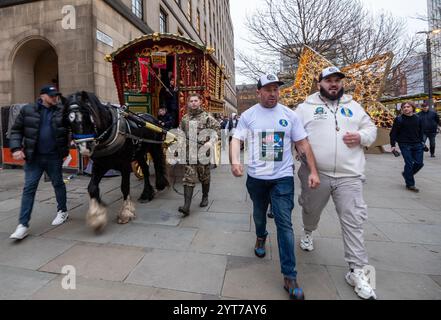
(294, 290)
(188, 195)
(205, 190)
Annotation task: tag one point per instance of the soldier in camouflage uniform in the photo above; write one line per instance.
(196, 117)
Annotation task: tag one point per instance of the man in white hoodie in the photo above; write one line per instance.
(338, 128)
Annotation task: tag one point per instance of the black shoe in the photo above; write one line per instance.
(413, 188)
(432, 156)
(188, 195)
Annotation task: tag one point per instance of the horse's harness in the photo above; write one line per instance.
(116, 133)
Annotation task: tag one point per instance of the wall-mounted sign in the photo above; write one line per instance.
(104, 38)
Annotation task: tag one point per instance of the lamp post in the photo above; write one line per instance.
(429, 63)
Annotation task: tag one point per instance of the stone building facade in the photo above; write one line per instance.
(65, 41)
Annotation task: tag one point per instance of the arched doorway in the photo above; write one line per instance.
(35, 64)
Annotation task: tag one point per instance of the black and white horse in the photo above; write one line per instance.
(113, 142)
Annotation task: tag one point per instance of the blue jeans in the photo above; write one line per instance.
(413, 161)
(52, 164)
(431, 137)
(281, 194)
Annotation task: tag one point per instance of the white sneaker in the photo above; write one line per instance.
(20, 232)
(60, 218)
(306, 243)
(358, 280)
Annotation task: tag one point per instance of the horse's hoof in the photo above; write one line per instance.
(96, 217)
(143, 200)
(127, 212)
(162, 184)
(123, 221)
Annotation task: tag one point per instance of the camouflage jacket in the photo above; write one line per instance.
(204, 121)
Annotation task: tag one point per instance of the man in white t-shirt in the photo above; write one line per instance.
(271, 129)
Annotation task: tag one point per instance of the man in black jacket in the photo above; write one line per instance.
(407, 130)
(40, 136)
(430, 121)
(165, 119)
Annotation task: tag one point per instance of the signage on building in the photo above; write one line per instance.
(159, 60)
(104, 38)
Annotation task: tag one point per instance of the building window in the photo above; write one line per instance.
(163, 28)
(198, 22)
(137, 8)
(189, 10)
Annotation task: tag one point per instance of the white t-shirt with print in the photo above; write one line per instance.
(270, 133)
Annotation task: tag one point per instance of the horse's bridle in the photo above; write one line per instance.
(93, 137)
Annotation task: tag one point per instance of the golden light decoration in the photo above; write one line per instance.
(365, 81)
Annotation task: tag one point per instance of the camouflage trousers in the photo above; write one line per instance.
(194, 172)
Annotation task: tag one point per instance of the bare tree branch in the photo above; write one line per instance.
(342, 31)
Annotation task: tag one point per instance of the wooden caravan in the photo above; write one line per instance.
(143, 68)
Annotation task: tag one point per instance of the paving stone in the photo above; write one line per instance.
(403, 257)
(23, 254)
(226, 243)
(184, 271)
(327, 251)
(91, 289)
(256, 279)
(97, 261)
(330, 228)
(385, 215)
(253, 279)
(10, 204)
(156, 237)
(76, 229)
(231, 206)
(217, 221)
(420, 216)
(21, 284)
(160, 217)
(391, 285)
(413, 233)
(437, 279)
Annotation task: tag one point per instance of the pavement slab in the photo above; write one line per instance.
(183, 271)
(21, 284)
(32, 252)
(101, 262)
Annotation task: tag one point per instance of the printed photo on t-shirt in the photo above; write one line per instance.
(271, 146)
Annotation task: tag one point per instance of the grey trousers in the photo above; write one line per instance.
(347, 194)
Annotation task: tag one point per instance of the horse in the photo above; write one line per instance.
(113, 141)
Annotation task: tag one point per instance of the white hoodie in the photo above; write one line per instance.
(334, 158)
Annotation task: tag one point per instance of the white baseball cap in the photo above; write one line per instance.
(331, 71)
(268, 79)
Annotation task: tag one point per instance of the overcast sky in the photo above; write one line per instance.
(408, 9)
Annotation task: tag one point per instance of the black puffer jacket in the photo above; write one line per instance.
(25, 131)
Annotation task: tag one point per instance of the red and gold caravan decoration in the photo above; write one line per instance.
(143, 68)
(364, 81)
